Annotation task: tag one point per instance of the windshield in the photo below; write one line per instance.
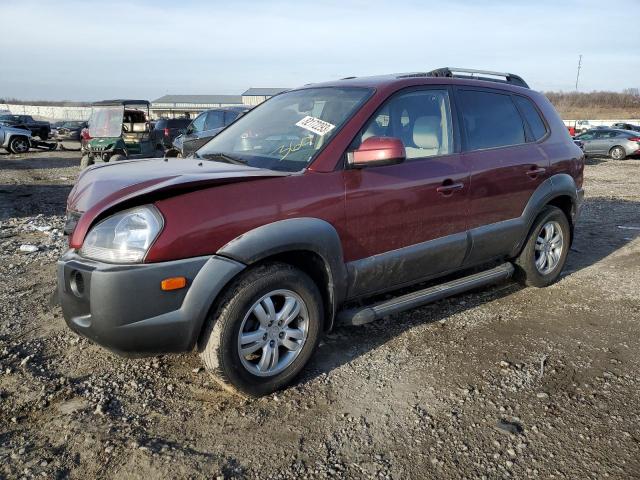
(286, 132)
(106, 122)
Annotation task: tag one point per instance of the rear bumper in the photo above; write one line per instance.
(122, 307)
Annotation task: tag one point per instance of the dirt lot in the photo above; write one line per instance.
(503, 382)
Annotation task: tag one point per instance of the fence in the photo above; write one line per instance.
(49, 112)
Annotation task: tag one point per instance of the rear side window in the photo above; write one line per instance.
(161, 124)
(532, 116)
(490, 120)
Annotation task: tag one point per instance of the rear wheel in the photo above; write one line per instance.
(264, 331)
(19, 145)
(617, 153)
(545, 253)
(44, 135)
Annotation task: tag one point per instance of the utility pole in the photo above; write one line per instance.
(579, 67)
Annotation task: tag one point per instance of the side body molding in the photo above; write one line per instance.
(295, 235)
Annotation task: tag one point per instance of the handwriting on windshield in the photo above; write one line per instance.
(285, 149)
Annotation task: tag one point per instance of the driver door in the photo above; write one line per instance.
(407, 222)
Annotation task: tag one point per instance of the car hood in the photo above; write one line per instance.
(104, 186)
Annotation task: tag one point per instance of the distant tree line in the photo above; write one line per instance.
(628, 99)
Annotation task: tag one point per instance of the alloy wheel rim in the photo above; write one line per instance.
(548, 248)
(273, 333)
(616, 154)
(21, 146)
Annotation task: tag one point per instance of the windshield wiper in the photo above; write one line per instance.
(219, 156)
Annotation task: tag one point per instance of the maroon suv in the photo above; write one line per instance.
(301, 213)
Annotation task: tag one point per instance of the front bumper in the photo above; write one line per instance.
(122, 307)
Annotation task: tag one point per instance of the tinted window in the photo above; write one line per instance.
(532, 116)
(160, 124)
(215, 119)
(490, 119)
(178, 122)
(421, 119)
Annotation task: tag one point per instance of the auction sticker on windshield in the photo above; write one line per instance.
(315, 125)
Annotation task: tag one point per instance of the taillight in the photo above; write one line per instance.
(634, 139)
(166, 132)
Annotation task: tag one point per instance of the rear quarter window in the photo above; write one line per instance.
(490, 119)
(532, 116)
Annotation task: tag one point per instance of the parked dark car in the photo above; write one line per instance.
(37, 128)
(167, 129)
(617, 144)
(206, 126)
(304, 211)
(626, 126)
(70, 130)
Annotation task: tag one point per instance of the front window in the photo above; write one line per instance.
(421, 119)
(286, 132)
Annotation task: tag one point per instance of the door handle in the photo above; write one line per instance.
(534, 172)
(448, 188)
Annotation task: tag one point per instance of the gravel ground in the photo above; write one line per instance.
(502, 382)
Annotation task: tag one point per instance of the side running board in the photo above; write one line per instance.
(360, 316)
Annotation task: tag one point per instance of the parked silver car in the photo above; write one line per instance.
(617, 144)
(15, 140)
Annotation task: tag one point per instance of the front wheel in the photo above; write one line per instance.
(264, 330)
(86, 161)
(617, 153)
(19, 145)
(545, 253)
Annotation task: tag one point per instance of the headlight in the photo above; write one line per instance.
(124, 237)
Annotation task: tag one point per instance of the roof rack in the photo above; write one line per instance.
(478, 75)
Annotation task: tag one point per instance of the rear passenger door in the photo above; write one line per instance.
(407, 221)
(501, 131)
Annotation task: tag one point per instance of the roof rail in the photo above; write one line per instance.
(478, 75)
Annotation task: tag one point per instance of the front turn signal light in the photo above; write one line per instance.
(173, 283)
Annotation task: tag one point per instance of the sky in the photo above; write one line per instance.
(90, 50)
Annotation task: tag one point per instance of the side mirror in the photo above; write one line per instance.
(376, 151)
(182, 131)
(189, 130)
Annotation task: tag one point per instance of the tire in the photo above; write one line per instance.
(44, 135)
(117, 157)
(533, 270)
(86, 161)
(19, 145)
(257, 374)
(617, 153)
